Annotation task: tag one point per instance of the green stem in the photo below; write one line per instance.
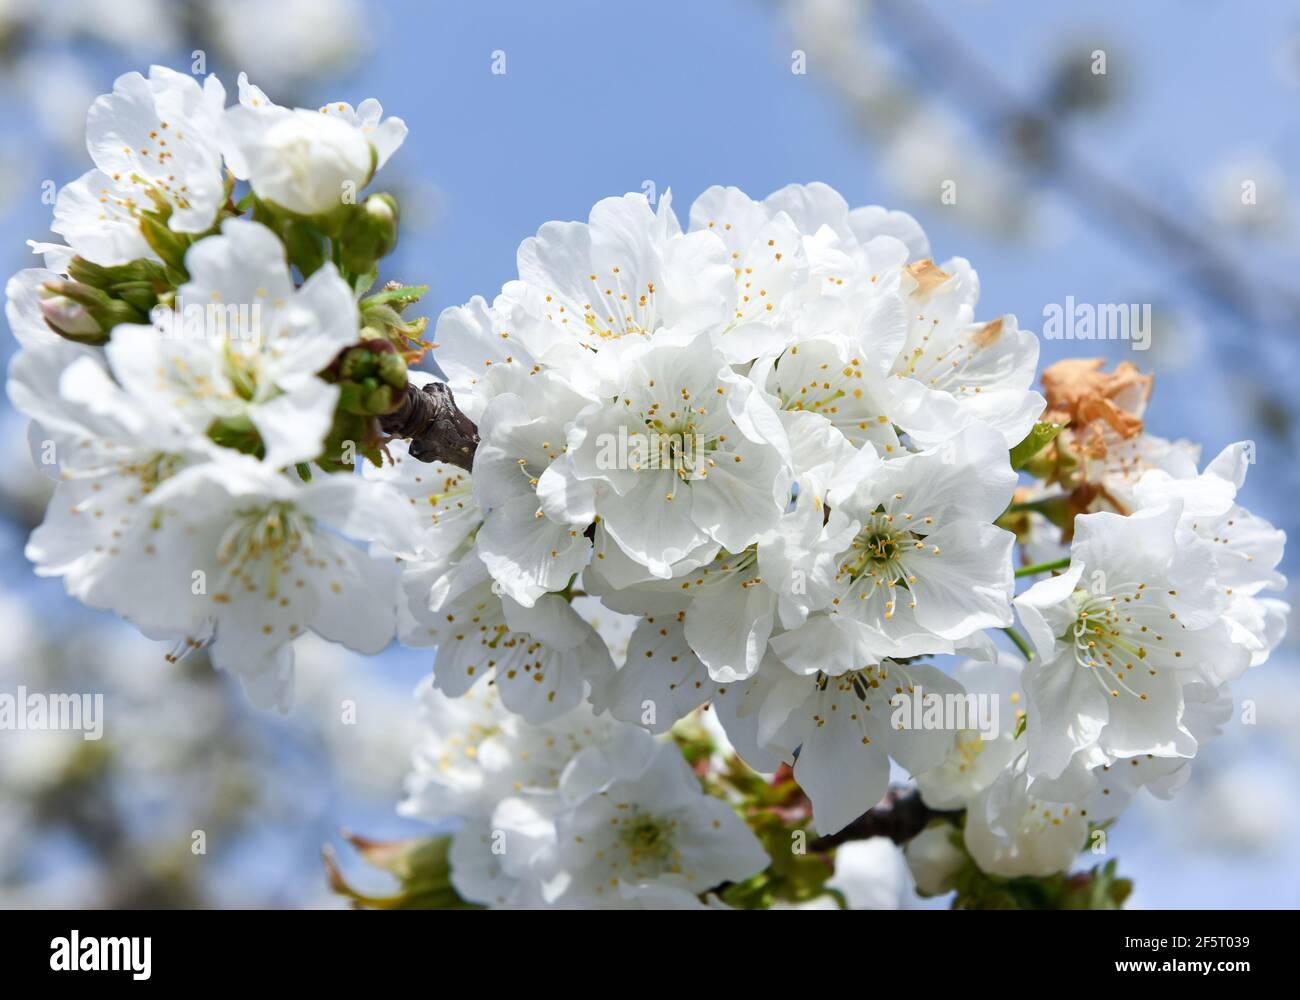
(1020, 642)
(1044, 567)
(569, 593)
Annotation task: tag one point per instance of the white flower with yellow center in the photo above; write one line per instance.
(476, 752)
(155, 141)
(1247, 549)
(978, 755)
(952, 371)
(684, 454)
(927, 569)
(651, 828)
(771, 272)
(110, 454)
(532, 539)
(724, 611)
(1105, 790)
(505, 780)
(243, 345)
(840, 732)
(193, 542)
(444, 515)
(544, 659)
(914, 321)
(830, 378)
(803, 261)
(1010, 832)
(616, 280)
(255, 559)
(489, 348)
(1135, 617)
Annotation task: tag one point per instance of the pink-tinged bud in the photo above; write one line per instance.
(70, 319)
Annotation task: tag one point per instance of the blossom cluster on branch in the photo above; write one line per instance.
(764, 472)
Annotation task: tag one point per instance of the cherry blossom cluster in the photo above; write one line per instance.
(188, 344)
(767, 466)
(779, 444)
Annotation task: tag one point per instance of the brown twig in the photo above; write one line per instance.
(900, 816)
(438, 431)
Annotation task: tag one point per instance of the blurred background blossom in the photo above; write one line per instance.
(987, 120)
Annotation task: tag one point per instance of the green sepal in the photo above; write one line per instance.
(1042, 434)
(420, 866)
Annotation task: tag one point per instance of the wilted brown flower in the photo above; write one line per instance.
(1079, 391)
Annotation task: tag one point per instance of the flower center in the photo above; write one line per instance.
(152, 469)
(619, 308)
(647, 841)
(264, 539)
(874, 559)
(1113, 635)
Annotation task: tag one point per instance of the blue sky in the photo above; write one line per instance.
(602, 98)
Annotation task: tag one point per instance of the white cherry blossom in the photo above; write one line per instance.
(650, 827)
(544, 659)
(155, 143)
(926, 568)
(954, 371)
(839, 733)
(1136, 617)
(977, 757)
(100, 219)
(245, 344)
(1010, 832)
(528, 550)
(308, 162)
(684, 454)
(443, 514)
(1247, 549)
(621, 277)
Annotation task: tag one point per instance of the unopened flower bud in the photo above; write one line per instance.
(77, 305)
(934, 859)
(71, 320)
(392, 369)
(369, 232)
(302, 161)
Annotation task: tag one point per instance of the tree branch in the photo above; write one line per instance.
(900, 817)
(1220, 273)
(438, 431)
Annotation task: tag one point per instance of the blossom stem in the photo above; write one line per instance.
(1044, 567)
(1020, 642)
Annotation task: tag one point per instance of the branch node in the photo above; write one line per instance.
(900, 816)
(438, 431)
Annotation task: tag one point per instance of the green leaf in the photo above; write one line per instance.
(397, 297)
(1043, 434)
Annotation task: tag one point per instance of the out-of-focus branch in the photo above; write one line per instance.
(1219, 274)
